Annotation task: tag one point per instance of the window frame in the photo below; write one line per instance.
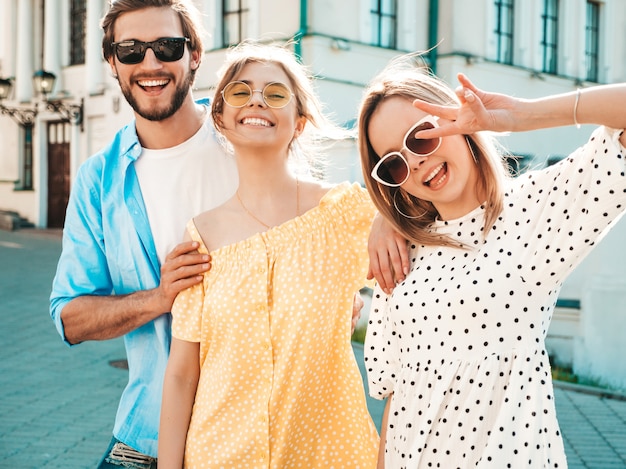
(382, 18)
(77, 32)
(550, 45)
(241, 15)
(25, 182)
(504, 54)
(592, 40)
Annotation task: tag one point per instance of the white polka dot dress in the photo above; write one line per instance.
(460, 343)
(279, 385)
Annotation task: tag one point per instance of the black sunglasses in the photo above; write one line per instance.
(166, 49)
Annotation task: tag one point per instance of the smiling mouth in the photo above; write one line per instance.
(255, 121)
(437, 176)
(152, 85)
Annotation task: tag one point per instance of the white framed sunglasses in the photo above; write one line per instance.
(393, 169)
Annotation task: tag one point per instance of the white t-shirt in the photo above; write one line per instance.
(180, 182)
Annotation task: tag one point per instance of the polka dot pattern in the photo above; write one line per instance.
(279, 385)
(461, 342)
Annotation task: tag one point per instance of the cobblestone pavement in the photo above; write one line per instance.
(57, 404)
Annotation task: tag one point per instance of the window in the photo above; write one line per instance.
(78, 19)
(235, 20)
(549, 42)
(504, 31)
(592, 39)
(384, 23)
(27, 160)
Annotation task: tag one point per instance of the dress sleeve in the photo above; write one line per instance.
(364, 215)
(351, 209)
(187, 307)
(566, 209)
(380, 349)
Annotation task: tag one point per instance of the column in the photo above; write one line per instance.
(24, 52)
(94, 78)
(7, 38)
(52, 42)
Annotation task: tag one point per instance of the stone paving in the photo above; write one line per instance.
(57, 404)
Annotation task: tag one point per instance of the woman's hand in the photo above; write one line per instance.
(478, 110)
(388, 253)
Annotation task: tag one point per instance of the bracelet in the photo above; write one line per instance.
(576, 108)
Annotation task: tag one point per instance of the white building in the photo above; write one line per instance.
(523, 47)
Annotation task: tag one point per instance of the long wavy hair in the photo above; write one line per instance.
(407, 79)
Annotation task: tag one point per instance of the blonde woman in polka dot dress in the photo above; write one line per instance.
(261, 372)
(458, 347)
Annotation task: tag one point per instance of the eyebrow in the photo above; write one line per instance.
(402, 147)
(249, 83)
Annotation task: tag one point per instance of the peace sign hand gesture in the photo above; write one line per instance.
(478, 111)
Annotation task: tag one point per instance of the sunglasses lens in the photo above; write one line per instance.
(130, 52)
(169, 50)
(165, 49)
(393, 170)
(276, 95)
(421, 146)
(237, 94)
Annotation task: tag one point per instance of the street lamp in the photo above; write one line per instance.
(22, 116)
(5, 88)
(43, 83)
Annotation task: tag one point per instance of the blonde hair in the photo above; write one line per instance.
(308, 105)
(407, 79)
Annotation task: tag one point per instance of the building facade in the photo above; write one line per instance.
(527, 48)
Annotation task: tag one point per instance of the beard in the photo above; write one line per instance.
(160, 113)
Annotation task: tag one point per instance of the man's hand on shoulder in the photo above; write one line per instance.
(183, 268)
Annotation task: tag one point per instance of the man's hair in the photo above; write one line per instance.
(187, 11)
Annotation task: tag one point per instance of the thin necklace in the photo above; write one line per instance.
(265, 224)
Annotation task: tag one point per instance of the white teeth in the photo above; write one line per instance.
(434, 172)
(439, 182)
(153, 82)
(256, 121)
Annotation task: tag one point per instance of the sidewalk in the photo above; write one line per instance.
(57, 404)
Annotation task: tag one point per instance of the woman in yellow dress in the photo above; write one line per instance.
(261, 372)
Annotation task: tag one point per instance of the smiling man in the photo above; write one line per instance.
(121, 265)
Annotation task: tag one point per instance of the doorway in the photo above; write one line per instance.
(58, 172)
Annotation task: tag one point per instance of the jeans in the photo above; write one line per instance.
(118, 455)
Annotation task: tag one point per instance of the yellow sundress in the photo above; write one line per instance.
(279, 386)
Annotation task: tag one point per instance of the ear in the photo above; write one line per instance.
(300, 124)
(219, 123)
(113, 66)
(196, 58)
